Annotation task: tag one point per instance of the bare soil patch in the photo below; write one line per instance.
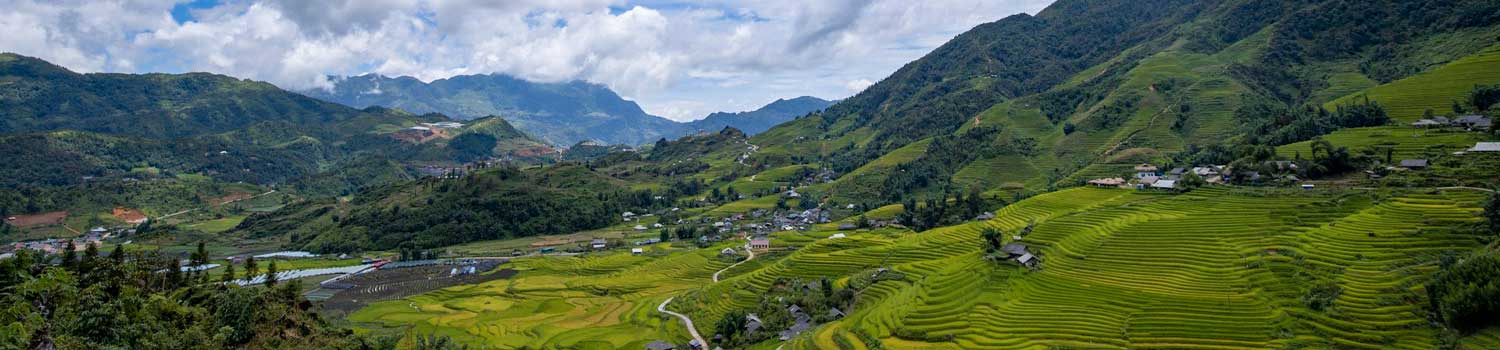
(28, 220)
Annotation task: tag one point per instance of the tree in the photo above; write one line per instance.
(200, 256)
(90, 259)
(228, 275)
(70, 257)
(271, 274)
(1483, 97)
(1068, 128)
(991, 240)
(174, 275)
(1191, 180)
(664, 236)
(250, 269)
(118, 255)
(731, 325)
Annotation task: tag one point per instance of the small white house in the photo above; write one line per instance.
(637, 251)
(836, 235)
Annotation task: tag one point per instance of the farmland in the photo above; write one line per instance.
(1216, 268)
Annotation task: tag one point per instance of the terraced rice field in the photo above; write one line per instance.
(1213, 269)
(592, 302)
(1407, 99)
(1218, 268)
(1407, 142)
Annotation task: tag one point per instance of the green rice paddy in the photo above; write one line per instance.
(1217, 268)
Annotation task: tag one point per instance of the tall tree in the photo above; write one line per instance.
(271, 274)
(250, 269)
(228, 274)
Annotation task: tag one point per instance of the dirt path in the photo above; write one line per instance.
(185, 211)
(747, 250)
(685, 320)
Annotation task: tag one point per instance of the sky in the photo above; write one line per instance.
(677, 59)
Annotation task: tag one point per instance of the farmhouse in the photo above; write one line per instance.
(1014, 249)
(1428, 123)
(1164, 184)
(836, 236)
(598, 243)
(1146, 168)
(640, 227)
(1027, 259)
(660, 345)
(1486, 147)
(848, 226)
(760, 243)
(986, 216)
(752, 323)
(1414, 163)
(728, 251)
(1476, 122)
(1109, 182)
(637, 251)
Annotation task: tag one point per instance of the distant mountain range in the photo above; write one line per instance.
(58, 127)
(558, 113)
(757, 121)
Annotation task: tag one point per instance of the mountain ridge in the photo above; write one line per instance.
(561, 113)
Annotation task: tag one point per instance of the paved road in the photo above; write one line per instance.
(747, 250)
(691, 329)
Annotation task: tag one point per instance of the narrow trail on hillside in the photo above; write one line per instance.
(185, 211)
(689, 321)
(747, 250)
(685, 320)
(1148, 126)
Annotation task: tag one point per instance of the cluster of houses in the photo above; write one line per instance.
(1470, 122)
(95, 236)
(1147, 176)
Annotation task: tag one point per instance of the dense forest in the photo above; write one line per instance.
(492, 203)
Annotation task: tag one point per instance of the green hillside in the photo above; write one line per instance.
(1408, 99)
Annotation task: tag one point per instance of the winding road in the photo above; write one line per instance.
(747, 250)
(685, 320)
(689, 321)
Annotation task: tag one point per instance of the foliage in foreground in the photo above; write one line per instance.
(142, 301)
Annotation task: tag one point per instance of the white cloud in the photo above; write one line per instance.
(681, 60)
(857, 85)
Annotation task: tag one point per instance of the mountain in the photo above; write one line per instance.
(757, 121)
(1088, 89)
(60, 128)
(559, 113)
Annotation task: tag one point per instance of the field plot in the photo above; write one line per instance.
(1214, 269)
(352, 293)
(1407, 99)
(1218, 268)
(590, 302)
(1406, 142)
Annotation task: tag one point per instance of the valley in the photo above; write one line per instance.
(1162, 174)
